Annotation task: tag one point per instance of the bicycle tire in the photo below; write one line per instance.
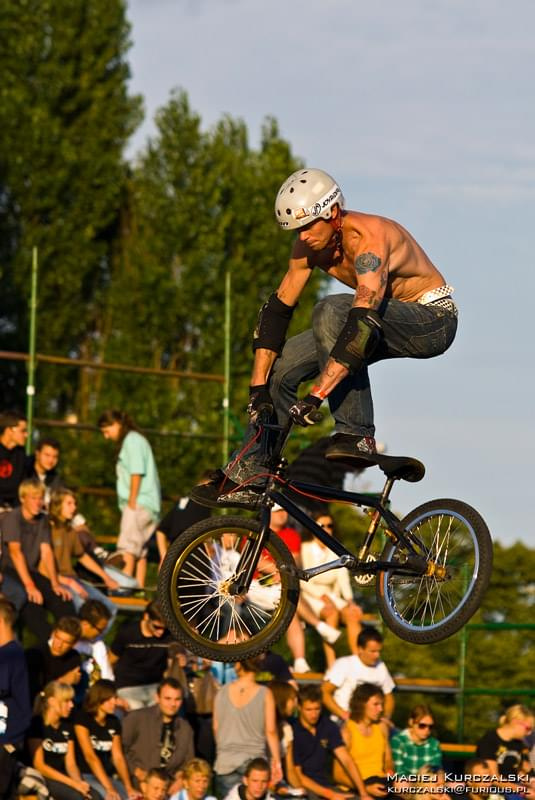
(191, 591)
(430, 608)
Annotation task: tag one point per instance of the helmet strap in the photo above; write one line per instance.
(336, 224)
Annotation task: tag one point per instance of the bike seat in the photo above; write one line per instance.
(398, 467)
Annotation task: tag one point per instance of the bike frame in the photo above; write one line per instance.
(414, 565)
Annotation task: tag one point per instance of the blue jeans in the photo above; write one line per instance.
(139, 696)
(61, 791)
(13, 590)
(410, 330)
(224, 783)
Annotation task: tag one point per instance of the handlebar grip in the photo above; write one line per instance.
(264, 415)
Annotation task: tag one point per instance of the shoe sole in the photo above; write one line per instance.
(355, 459)
(218, 502)
(251, 506)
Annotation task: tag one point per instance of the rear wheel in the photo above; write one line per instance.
(194, 583)
(457, 546)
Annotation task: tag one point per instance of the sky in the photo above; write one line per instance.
(423, 111)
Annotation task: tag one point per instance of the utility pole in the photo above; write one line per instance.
(30, 387)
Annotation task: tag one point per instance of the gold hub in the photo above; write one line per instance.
(435, 570)
(224, 587)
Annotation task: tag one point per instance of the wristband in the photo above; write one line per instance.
(318, 392)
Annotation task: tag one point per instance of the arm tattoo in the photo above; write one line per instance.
(384, 277)
(367, 262)
(367, 296)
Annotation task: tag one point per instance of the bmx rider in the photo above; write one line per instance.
(400, 307)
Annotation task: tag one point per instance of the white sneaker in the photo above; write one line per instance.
(301, 665)
(327, 632)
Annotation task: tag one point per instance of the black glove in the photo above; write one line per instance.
(259, 401)
(305, 412)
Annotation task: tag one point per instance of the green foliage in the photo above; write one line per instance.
(133, 264)
(199, 208)
(496, 659)
(65, 117)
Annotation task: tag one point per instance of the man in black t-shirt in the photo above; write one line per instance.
(43, 466)
(13, 435)
(138, 655)
(56, 660)
(183, 515)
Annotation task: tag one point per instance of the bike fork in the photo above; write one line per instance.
(249, 558)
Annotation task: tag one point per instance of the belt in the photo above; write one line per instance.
(441, 296)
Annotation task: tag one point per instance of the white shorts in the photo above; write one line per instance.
(316, 603)
(265, 597)
(137, 526)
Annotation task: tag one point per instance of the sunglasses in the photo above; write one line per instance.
(329, 525)
(423, 725)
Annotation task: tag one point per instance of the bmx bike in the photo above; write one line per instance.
(229, 587)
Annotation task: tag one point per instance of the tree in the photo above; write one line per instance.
(200, 204)
(64, 119)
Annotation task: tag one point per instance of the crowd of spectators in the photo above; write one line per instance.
(91, 709)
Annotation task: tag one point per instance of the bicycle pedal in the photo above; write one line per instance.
(366, 578)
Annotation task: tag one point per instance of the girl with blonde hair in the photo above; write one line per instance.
(51, 744)
(504, 748)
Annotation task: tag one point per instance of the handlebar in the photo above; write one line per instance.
(272, 436)
(263, 421)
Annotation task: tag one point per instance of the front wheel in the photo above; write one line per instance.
(456, 544)
(194, 590)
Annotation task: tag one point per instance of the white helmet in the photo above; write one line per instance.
(305, 196)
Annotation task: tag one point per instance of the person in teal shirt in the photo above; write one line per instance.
(138, 490)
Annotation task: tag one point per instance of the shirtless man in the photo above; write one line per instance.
(401, 307)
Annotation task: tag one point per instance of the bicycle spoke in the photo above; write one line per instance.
(197, 605)
(205, 573)
(258, 613)
(428, 600)
(210, 619)
(239, 623)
